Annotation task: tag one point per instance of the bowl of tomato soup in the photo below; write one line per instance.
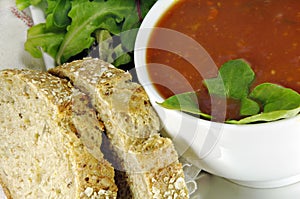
(181, 44)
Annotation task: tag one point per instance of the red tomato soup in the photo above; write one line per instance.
(266, 33)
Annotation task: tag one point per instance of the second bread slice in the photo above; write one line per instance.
(132, 126)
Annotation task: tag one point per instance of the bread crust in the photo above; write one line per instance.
(5, 190)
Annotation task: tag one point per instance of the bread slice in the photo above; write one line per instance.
(132, 126)
(50, 140)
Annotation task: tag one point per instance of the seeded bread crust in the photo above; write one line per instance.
(132, 128)
(45, 149)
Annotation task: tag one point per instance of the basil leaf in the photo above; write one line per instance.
(233, 80)
(267, 117)
(274, 97)
(249, 107)
(275, 101)
(186, 102)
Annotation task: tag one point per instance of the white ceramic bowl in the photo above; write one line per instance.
(257, 155)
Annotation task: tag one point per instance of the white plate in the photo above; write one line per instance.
(212, 187)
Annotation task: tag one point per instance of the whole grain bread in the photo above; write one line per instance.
(149, 161)
(50, 140)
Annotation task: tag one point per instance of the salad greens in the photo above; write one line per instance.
(107, 50)
(38, 37)
(22, 4)
(72, 26)
(229, 84)
(186, 102)
(266, 102)
(274, 97)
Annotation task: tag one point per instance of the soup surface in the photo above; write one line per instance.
(266, 33)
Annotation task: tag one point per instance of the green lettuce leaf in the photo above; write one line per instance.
(96, 15)
(80, 19)
(84, 23)
(129, 31)
(38, 38)
(22, 4)
(105, 47)
(108, 51)
(57, 15)
(120, 56)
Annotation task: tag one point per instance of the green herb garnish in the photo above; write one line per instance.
(186, 102)
(274, 97)
(229, 82)
(267, 117)
(71, 26)
(233, 81)
(266, 102)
